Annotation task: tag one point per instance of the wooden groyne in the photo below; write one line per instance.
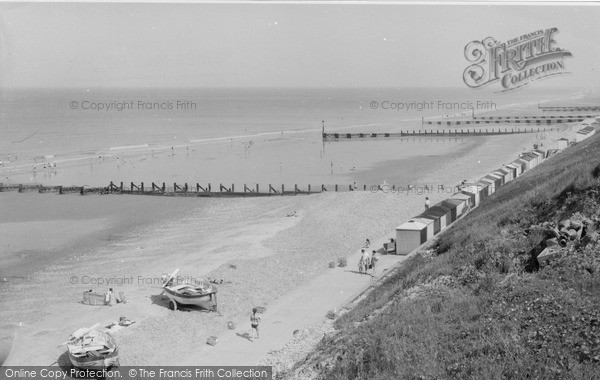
(431, 133)
(570, 108)
(511, 120)
(185, 190)
(21, 188)
(221, 190)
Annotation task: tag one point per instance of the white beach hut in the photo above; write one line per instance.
(562, 143)
(584, 133)
(409, 236)
(540, 154)
(429, 223)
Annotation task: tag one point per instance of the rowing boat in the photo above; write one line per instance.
(91, 348)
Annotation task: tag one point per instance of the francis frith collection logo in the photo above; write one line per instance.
(515, 63)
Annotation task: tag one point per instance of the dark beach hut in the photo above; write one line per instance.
(508, 174)
(491, 189)
(452, 205)
(439, 215)
(501, 176)
(484, 189)
(523, 164)
(530, 159)
(516, 170)
(472, 191)
(474, 199)
(465, 203)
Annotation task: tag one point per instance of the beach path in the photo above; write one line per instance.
(298, 309)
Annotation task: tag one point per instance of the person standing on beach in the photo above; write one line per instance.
(373, 261)
(108, 296)
(254, 321)
(426, 203)
(364, 261)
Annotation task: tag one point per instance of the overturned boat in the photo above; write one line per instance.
(91, 348)
(202, 295)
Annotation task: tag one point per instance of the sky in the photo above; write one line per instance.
(274, 45)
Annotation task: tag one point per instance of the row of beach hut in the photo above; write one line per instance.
(587, 131)
(418, 230)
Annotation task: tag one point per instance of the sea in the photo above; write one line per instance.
(237, 136)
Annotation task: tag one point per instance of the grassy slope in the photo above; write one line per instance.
(469, 310)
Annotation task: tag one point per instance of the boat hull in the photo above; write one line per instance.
(93, 359)
(206, 301)
(92, 362)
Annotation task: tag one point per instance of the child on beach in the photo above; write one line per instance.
(254, 321)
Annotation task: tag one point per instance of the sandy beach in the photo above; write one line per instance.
(138, 139)
(262, 255)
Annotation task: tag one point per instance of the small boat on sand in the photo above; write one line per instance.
(202, 295)
(91, 348)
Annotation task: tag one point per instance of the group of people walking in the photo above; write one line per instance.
(367, 260)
